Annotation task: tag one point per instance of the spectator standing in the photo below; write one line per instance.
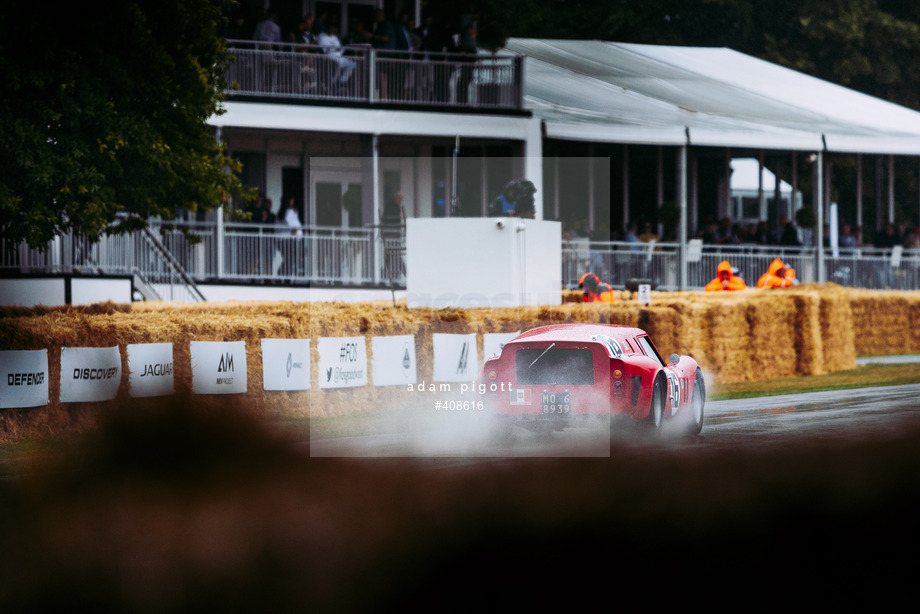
(383, 39)
(889, 238)
(647, 236)
(268, 29)
(789, 232)
(467, 46)
(291, 229)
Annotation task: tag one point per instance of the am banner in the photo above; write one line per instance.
(455, 357)
(218, 367)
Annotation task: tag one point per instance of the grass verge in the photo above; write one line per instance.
(863, 376)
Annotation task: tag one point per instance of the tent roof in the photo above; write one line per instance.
(630, 93)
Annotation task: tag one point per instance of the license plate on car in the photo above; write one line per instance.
(557, 402)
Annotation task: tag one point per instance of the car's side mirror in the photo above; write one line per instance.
(674, 359)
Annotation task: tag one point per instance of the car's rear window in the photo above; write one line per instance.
(555, 366)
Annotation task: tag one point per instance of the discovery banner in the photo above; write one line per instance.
(90, 374)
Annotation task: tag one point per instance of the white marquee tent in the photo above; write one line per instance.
(651, 94)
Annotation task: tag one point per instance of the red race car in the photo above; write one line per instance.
(549, 377)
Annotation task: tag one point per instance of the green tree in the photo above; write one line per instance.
(103, 117)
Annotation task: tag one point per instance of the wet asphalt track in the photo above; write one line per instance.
(835, 417)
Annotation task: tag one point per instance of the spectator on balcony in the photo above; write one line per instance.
(467, 47)
(847, 239)
(268, 29)
(383, 39)
(503, 204)
(889, 238)
(393, 212)
(648, 235)
(332, 47)
(304, 33)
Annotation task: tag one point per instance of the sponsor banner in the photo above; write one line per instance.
(24, 380)
(492, 343)
(218, 367)
(90, 374)
(150, 369)
(286, 364)
(455, 357)
(394, 360)
(342, 362)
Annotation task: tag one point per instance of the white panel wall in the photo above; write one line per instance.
(483, 262)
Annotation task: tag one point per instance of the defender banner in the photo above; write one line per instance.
(218, 367)
(394, 360)
(23, 378)
(90, 374)
(150, 369)
(286, 364)
(455, 357)
(342, 362)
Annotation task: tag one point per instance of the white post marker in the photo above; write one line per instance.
(645, 294)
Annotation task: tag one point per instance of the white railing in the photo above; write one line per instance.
(362, 74)
(174, 257)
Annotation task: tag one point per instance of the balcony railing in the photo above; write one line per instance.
(361, 74)
(243, 253)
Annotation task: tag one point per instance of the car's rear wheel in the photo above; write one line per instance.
(695, 425)
(656, 409)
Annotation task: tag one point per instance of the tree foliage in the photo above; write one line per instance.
(103, 118)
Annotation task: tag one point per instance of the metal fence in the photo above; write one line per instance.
(618, 262)
(177, 256)
(359, 73)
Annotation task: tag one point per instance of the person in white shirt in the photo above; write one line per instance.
(332, 47)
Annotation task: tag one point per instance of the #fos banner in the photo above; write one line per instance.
(218, 367)
(150, 369)
(90, 374)
(394, 360)
(23, 378)
(455, 357)
(286, 364)
(342, 362)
